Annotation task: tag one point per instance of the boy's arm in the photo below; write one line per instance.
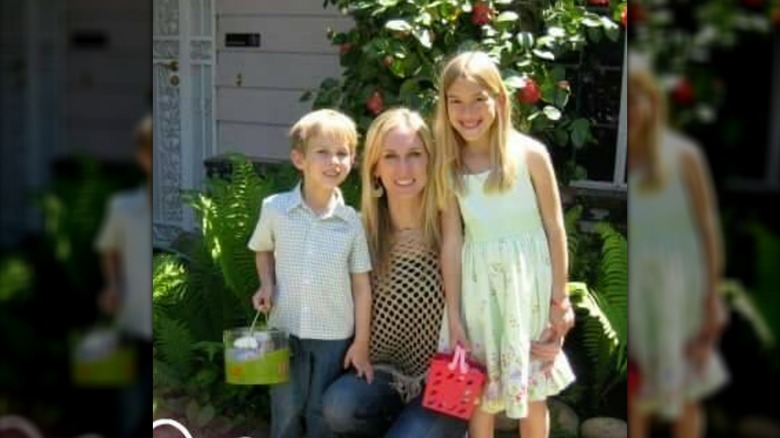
(109, 298)
(108, 245)
(361, 294)
(450, 259)
(359, 268)
(262, 242)
(358, 354)
(265, 263)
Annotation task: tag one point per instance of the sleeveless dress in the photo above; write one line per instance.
(666, 290)
(506, 290)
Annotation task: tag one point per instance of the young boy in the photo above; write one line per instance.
(124, 243)
(313, 262)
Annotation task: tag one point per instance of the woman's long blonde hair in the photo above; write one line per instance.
(477, 67)
(644, 82)
(375, 211)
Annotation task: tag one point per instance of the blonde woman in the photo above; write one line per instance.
(401, 219)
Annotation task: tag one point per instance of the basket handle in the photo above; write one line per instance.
(459, 360)
(174, 423)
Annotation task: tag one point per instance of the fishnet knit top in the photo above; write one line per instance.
(407, 310)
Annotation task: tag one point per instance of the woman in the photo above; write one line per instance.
(401, 220)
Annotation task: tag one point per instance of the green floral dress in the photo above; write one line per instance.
(506, 290)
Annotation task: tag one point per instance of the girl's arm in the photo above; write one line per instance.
(546, 187)
(450, 257)
(705, 210)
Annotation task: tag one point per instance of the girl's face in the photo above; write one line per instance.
(640, 107)
(471, 109)
(403, 163)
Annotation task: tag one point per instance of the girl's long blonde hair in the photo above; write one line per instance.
(477, 67)
(375, 211)
(648, 136)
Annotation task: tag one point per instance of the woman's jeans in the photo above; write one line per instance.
(352, 407)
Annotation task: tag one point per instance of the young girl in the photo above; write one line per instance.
(676, 263)
(514, 256)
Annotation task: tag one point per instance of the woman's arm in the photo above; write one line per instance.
(450, 257)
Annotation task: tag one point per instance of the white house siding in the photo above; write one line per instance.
(107, 89)
(294, 55)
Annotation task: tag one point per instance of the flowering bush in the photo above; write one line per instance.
(392, 55)
(679, 41)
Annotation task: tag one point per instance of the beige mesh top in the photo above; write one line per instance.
(407, 310)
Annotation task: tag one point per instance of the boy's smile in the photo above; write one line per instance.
(325, 164)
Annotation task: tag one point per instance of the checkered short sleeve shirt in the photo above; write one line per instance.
(315, 257)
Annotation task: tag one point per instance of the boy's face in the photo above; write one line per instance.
(326, 162)
(144, 157)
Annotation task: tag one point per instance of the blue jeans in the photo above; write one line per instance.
(355, 408)
(296, 405)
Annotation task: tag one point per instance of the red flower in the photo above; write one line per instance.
(344, 48)
(598, 2)
(375, 104)
(624, 15)
(481, 14)
(530, 93)
(683, 92)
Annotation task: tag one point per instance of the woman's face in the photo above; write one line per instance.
(403, 164)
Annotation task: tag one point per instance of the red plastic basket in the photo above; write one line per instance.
(454, 384)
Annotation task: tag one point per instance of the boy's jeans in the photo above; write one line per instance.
(314, 365)
(354, 408)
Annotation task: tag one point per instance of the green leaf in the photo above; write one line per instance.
(424, 37)
(388, 3)
(507, 16)
(556, 32)
(399, 26)
(544, 54)
(425, 19)
(561, 137)
(561, 98)
(594, 34)
(552, 112)
(611, 29)
(591, 20)
(503, 2)
(525, 39)
(580, 131)
(558, 73)
(515, 82)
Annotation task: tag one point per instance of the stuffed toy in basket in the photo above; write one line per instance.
(454, 384)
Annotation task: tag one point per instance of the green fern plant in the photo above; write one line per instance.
(204, 289)
(602, 323)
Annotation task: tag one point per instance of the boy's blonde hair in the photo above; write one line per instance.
(375, 212)
(144, 134)
(326, 122)
(479, 68)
